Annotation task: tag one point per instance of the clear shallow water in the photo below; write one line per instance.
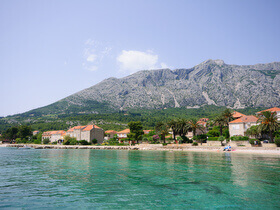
(117, 179)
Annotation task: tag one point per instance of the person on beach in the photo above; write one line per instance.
(227, 148)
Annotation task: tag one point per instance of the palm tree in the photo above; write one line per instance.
(162, 129)
(194, 125)
(269, 123)
(227, 114)
(172, 124)
(254, 130)
(220, 121)
(182, 127)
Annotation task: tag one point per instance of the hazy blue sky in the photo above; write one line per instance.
(52, 49)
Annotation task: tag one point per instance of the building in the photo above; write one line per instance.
(87, 132)
(239, 126)
(274, 109)
(35, 132)
(123, 134)
(110, 134)
(237, 115)
(53, 136)
(146, 131)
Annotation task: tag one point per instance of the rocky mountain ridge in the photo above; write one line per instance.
(211, 82)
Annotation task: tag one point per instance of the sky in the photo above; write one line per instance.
(52, 49)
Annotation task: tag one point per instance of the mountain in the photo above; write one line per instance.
(211, 82)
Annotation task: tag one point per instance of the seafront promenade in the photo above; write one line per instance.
(155, 147)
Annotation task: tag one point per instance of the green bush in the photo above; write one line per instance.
(277, 141)
(252, 141)
(94, 141)
(18, 140)
(84, 142)
(46, 141)
(190, 141)
(221, 138)
(37, 141)
(226, 133)
(164, 144)
(55, 142)
(185, 139)
(212, 138)
(213, 133)
(239, 138)
(73, 141)
(195, 144)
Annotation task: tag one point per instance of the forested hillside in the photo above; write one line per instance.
(118, 120)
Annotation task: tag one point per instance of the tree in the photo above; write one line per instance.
(162, 129)
(269, 123)
(24, 132)
(220, 121)
(227, 114)
(221, 139)
(254, 131)
(182, 127)
(194, 126)
(136, 130)
(11, 133)
(172, 124)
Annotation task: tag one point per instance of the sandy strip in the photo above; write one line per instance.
(244, 150)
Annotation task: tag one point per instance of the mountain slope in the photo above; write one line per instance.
(211, 82)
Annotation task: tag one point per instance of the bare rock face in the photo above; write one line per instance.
(211, 82)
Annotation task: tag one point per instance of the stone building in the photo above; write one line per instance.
(53, 135)
(87, 132)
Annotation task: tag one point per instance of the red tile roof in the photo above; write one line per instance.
(274, 109)
(87, 128)
(111, 131)
(236, 114)
(202, 123)
(124, 131)
(49, 133)
(245, 119)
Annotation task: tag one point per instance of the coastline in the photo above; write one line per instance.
(158, 147)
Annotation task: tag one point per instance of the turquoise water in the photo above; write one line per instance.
(107, 179)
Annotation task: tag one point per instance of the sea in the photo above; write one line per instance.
(119, 179)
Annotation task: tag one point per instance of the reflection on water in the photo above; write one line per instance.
(137, 179)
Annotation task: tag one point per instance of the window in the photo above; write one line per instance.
(235, 127)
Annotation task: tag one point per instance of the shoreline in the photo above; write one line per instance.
(158, 147)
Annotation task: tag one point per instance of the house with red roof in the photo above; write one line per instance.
(87, 132)
(274, 109)
(237, 115)
(123, 134)
(53, 136)
(110, 134)
(239, 126)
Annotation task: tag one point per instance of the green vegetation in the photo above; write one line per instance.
(113, 121)
(255, 142)
(277, 141)
(136, 130)
(239, 138)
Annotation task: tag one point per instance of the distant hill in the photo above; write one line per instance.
(210, 83)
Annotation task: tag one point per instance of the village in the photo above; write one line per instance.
(239, 133)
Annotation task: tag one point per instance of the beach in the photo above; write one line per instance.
(158, 147)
